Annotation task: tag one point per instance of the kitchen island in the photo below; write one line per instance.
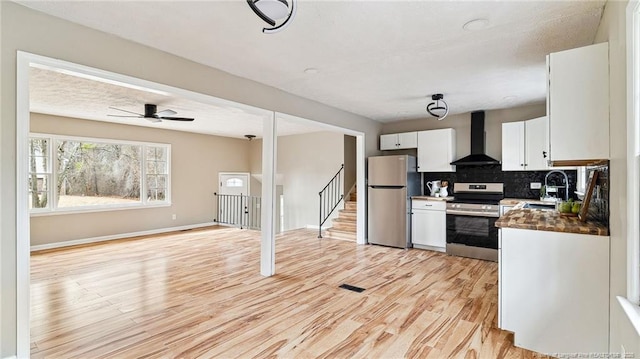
(553, 281)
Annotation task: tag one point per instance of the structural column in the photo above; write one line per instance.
(268, 204)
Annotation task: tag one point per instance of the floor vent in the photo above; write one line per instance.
(352, 288)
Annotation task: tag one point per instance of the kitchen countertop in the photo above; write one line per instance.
(430, 198)
(544, 220)
(514, 201)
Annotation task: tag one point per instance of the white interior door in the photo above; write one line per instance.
(232, 207)
(234, 183)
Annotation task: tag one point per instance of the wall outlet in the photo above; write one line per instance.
(173, 216)
(535, 185)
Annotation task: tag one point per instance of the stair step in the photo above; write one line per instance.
(338, 234)
(345, 226)
(345, 213)
(342, 219)
(350, 205)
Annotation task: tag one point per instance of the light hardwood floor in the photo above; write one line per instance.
(200, 294)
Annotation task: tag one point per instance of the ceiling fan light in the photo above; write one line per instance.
(437, 110)
(274, 9)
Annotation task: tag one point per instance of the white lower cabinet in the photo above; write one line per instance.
(429, 225)
(554, 290)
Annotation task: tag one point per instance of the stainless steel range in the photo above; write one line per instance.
(471, 218)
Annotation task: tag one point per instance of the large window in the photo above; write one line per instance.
(70, 173)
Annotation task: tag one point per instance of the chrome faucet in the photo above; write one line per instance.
(566, 181)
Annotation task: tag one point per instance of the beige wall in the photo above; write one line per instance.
(349, 162)
(306, 163)
(612, 28)
(196, 161)
(27, 30)
(462, 124)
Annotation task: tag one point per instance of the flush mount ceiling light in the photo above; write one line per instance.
(271, 11)
(476, 24)
(438, 108)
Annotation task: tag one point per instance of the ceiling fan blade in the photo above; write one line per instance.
(119, 109)
(153, 119)
(166, 112)
(128, 116)
(177, 118)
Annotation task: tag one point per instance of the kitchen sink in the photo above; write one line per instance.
(542, 206)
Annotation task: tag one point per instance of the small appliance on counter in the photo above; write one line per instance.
(392, 181)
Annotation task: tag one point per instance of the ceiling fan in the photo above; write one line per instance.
(151, 113)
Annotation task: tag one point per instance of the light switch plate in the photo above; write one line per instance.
(535, 185)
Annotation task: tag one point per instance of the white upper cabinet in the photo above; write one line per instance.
(578, 103)
(513, 146)
(525, 145)
(436, 150)
(399, 141)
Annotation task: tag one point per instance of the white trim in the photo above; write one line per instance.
(361, 193)
(76, 242)
(632, 311)
(268, 201)
(92, 209)
(11, 357)
(633, 149)
(23, 234)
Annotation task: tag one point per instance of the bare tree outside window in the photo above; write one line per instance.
(97, 173)
(76, 173)
(39, 172)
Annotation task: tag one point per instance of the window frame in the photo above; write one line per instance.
(53, 208)
(633, 152)
(631, 302)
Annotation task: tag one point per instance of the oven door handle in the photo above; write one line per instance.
(474, 214)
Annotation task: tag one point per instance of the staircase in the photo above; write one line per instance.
(344, 227)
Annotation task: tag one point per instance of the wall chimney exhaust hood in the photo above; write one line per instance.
(477, 156)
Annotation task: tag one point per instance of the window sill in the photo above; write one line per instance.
(59, 212)
(632, 311)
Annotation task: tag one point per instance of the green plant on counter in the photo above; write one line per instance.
(543, 191)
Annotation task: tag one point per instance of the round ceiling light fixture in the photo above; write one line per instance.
(438, 108)
(271, 11)
(476, 25)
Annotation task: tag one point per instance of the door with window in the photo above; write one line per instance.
(233, 199)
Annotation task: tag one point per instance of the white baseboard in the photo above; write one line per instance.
(315, 226)
(11, 357)
(76, 242)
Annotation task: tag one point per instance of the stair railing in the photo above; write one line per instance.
(330, 197)
(239, 210)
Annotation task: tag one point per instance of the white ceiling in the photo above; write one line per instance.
(63, 94)
(379, 59)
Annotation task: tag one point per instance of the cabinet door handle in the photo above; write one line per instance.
(428, 205)
(544, 154)
(522, 164)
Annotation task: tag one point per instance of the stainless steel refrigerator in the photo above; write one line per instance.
(391, 182)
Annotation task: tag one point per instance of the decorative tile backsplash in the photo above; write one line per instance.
(516, 183)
